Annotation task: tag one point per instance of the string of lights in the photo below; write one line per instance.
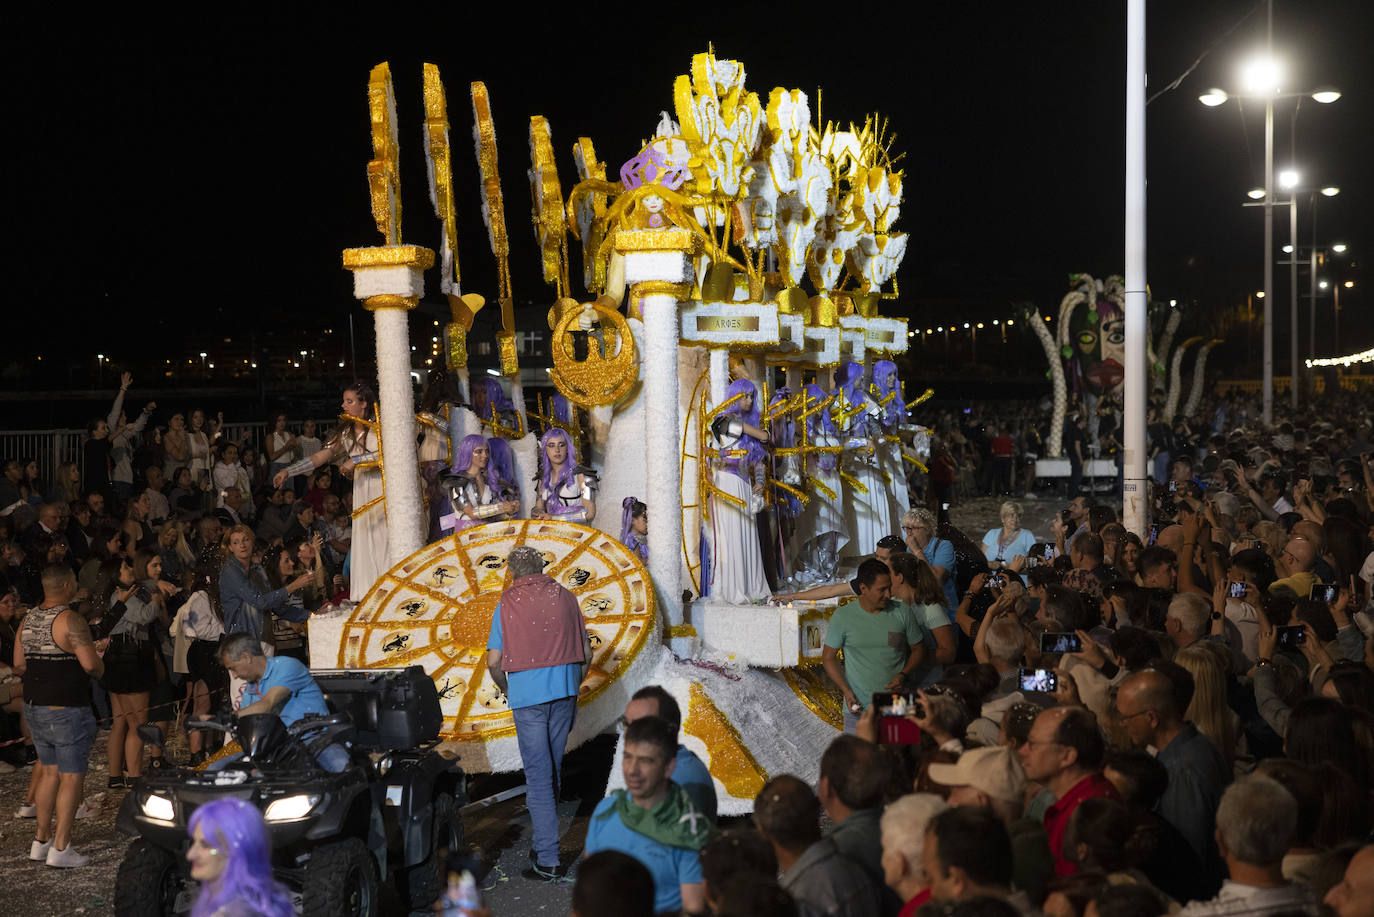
(1364, 356)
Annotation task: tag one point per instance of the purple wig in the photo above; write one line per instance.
(886, 381)
(237, 829)
(501, 465)
(466, 447)
(630, 509)
(784, 428)
(849, 379)
(753, 448)
(491, 400)
(821, 423)
(565, 474)
(562, 410)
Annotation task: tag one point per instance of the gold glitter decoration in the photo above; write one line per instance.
(383, 172)
(679, 291)
(550, 223)
(456, 346)
(510, 361)
(867, 304)
(390, 301)
(416, 256)
(815, 689)
(682, 630)
(612, 365)
(494, 213)
(652, 240)
(587, 215)
(441, 600)
(793, 301)
(439, 154)
(730, 760)
(824, 312)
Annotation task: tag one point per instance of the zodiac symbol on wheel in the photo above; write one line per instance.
(396, 643)
(450, 690)
(413, 608)
(578, 577)
(441, 575)
(597, 604)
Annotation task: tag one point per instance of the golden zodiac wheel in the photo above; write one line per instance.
(435, 608)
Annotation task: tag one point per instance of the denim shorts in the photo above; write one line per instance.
(62, 736)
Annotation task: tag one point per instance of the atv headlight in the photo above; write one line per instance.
(290, 808)
(159, 808)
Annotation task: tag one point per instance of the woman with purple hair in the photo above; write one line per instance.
(564, 490)
(634, 527)
(737, 574)
(473, 498)
(501, 468)
(821, 531)
(231, 858)
(867, 508)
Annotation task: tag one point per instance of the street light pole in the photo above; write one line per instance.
(1293, 294)
(1135, 507)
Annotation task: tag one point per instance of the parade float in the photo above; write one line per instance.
(726, 368)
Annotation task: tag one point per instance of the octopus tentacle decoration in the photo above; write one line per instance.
(1054, 444)
(1199, 373)
(1176, 379)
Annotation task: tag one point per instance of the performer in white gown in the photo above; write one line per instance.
(867, 508)
(565, 489)
(737, 576)
(357, 443)
(821, 529)
(887, 388)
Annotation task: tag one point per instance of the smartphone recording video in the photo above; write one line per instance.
(1292, 636)
(1237, 590)
(892, 709)
(1045, 680)
(1323, 592)
(1060, 642)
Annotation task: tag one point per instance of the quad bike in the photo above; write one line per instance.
(391, 813)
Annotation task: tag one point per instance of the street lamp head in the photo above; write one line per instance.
(1326, 95)
(1213, 97)
(1173, 303)
(1261, 75)
(1259, 294)
(1323, 284)
(1011, 321)
(1349, 284)
(203, 355)
(1331, 191)
(1288, 249)
(1255, 194)
(966, 324)
(1289, 179)
(1339, 248)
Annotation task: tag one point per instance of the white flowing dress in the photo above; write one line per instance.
(368, 555)
(737, 576)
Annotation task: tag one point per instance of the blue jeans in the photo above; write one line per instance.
(62, 736)
(542, 732)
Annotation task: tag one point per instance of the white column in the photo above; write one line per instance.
(400, 461)
(720, 374)
(1135, 509)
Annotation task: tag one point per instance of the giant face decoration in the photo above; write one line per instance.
(1099, 347)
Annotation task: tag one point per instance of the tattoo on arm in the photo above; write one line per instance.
(78, 631)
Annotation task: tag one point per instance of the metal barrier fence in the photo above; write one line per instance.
(51, 448)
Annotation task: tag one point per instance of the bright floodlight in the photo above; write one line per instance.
(1255, 194)
(1213, 97)
(1011, 321)
(1339, 248)
(1259, 294)
(1289, 179)
(1331, 191)
(1261, 75)
(1288, 249)
(965, 324)
(1173, 303)
(1349, 284)
(1326, 95)
(1323, 284)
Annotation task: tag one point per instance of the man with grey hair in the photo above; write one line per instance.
(537, 654)
(1255, 822)
(1188, 619)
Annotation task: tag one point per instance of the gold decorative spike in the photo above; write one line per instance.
(546, 195)
(587, 213)
(494, 214)
(383, 172)
(439, 158)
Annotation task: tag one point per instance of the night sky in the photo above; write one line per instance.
(172, 179)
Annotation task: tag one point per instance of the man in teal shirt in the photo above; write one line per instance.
(882, 641)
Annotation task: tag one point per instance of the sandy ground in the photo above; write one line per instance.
(499, 833)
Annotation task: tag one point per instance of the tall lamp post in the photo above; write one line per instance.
(1262, 78)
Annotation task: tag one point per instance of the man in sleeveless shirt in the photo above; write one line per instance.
(537, 654)
(57, 659)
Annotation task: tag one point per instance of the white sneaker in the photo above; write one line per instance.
(26, 810)
(39, 852)
(66, 859)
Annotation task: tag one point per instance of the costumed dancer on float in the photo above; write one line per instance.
(565, 488)
(788, 470)
(435, 450)
(493, 406)
(821, 529)
(867, 509)
(888, 388)
(358, 443)
(739, 468)
(473, 496)
(501, 468)
(634, 527)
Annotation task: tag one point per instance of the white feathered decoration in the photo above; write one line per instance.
(1054, 444)
(1199, 371)
(1166, 341)
(1176, 380)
